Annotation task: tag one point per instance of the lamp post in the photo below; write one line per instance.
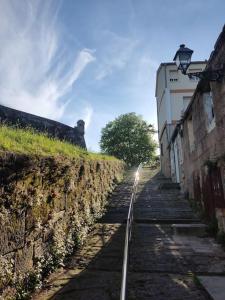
(182, 59)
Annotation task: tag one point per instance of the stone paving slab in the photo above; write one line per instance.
(86, 285)
(156, 249)
(95, 270)
(155, 244)
(215, 286)
(163, 264)
(119, 201)
(194, 229)
(91, 285)
(155, 203)
(144, 286)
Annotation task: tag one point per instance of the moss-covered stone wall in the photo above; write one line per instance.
(47, 206)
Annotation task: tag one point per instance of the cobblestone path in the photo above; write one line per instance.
(163, 266)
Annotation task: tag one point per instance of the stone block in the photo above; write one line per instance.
(169, 186)
(35, 214)
(12, 232)
(189, 229)
(24, 259)
(40, 248)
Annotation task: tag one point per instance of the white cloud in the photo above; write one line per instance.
(88, 113)
(116, 54)
(36, 71)
(85, 113)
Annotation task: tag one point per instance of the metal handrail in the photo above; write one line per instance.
(128, 235)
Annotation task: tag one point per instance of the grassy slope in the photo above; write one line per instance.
(27, 141)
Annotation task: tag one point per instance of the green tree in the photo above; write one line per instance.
(129, 138)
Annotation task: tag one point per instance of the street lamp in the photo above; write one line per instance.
(182, 59)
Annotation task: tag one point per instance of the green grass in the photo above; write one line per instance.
(28, 141)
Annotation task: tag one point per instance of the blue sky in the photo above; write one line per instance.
(96, 59)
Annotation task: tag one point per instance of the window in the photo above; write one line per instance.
(161, 148)
(173, 75)
(209, 111)
(191, 135)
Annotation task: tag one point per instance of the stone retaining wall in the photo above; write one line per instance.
(47, 206)
(74, 135)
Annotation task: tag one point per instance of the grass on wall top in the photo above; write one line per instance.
(28, 141)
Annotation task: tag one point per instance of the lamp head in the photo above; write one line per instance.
(182, 58)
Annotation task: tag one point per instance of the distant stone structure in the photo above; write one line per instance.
(55, 129)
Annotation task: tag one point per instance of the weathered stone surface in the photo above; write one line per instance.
(12, 231)
(7, 266)
(24, 259)
(47, 207)
(39, 248)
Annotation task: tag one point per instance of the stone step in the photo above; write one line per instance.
(197, 229)
(165, 221)
(169, 186)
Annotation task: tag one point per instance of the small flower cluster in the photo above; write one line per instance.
(7, 274)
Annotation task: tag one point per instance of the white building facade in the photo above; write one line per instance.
(173, 94)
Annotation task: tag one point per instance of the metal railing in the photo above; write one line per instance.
(128, 235)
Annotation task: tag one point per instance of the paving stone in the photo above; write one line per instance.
(143, 286)
(215, 285)
(190, 229)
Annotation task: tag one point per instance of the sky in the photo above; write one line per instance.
(96, 59)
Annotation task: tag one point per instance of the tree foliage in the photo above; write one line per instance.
(129, 138)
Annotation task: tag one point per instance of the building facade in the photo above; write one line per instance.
(173, 94)
(199, 142)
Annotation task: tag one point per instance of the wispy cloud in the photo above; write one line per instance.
(36, 68)
(88, 113)
(116, 54)
(85, 113)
